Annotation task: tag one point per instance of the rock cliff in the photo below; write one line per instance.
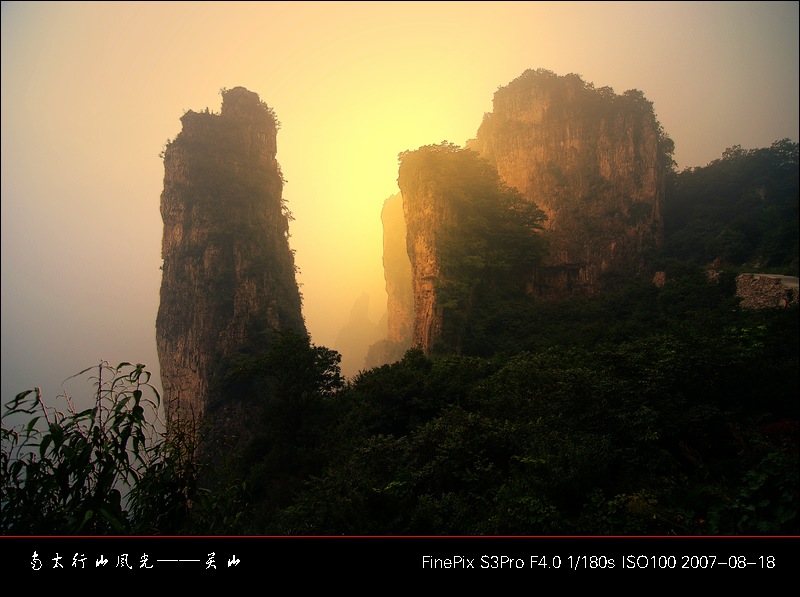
(400, 298)
(228, 271)
(471, 241)
(763, 291)
(594, 161)
(580, 168)
(426, 213)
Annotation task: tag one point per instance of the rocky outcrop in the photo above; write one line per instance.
(228, 271)
(426, 212)
(765, 291)
(400, 298)
(594, 161)
(471, 241)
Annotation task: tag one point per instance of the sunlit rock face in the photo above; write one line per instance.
(594, 161)
(426, 212)
(397, 272)
(400, 298)
(228, 271)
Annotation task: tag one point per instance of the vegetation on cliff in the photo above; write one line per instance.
(741, 209)
(594, 161)
(483, 237)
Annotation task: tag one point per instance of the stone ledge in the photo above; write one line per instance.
(763, 291)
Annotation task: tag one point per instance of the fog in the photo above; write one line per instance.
(91, 92)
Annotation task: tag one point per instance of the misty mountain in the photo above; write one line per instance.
(357, 335)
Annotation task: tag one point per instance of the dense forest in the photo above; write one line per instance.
(741, 209)
(649, 410)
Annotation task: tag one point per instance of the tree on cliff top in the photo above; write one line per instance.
(741, 208)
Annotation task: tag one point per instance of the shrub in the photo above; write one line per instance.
(78, 472)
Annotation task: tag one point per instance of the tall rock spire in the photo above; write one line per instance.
(228, 271)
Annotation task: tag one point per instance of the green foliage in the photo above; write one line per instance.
(81, 472)
(663, 433)
(262, 106)
(288, 361)
(487, 239)
(291, 386)
(741, 209)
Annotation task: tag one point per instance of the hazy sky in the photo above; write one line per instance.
(92, 91)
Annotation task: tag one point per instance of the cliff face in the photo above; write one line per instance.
(426, 212)
(594, 161)
(471, 241)
(397, 272)
(400, 298)
(228, 270)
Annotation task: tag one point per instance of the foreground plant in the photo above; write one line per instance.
(103, 470)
